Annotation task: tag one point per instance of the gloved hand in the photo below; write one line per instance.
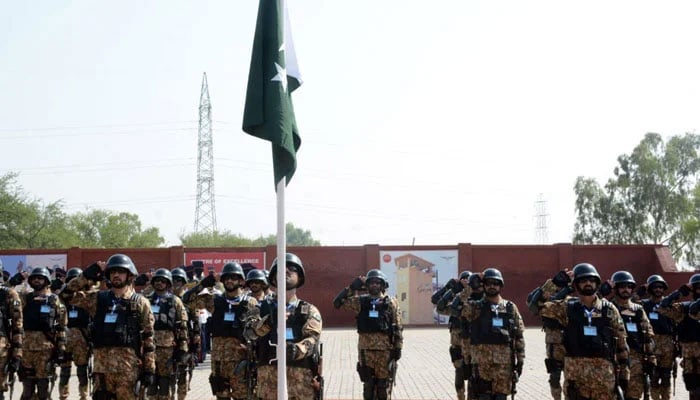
(208, 282)
(93, 272)
(396, 354)
(141, 280)
(561, 279)
(292, 351)
(13, 364)
(456, 286)
(668, 300)
(16, 279)
(56, 284)
(356, 284)
(147, 378)
(605, 289)
(180, 356)
(694, 307)
(685, 290)
(519, 368)
(641, 290)
(475, 281)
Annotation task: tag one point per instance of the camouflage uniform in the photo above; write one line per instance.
(119, 355)
(589, 371)
(194, 336)
(44, 318)
(689, 340)
(78, 351)
(304, 333)
(496, 335)
(169, 334)
(11, 333)
(664, 350)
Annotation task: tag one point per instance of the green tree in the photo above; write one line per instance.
(101, 228)
(653, 197)
(295, 237)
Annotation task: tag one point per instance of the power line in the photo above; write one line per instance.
(205, 213)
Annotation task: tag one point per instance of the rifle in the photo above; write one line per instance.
(392, 376)
(52, 374)
(173, 379)
(317, 370)
(513, 362)
(619, 395)
(251, 370)
(10, 380)
(646, 378)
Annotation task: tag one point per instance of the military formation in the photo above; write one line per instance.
(137, 335)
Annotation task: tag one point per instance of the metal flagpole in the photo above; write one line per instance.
(281, 294)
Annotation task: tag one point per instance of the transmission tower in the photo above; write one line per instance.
(541, 235)
(205, 216)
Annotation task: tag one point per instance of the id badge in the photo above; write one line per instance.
(72, 314)
(229, 316)
(155, 309)
(653, 315)
(497, 322)
(289, 334)
(110, 318)
(631, 326)
(590, 331)
(45, 309)
(373, 314)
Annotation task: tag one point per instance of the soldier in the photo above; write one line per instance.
(122, 332)
(496, 334)
(380, 332)
(459, 329)
(11, 335)
(44, 318)
(594, 338)
(169, 334)
(256, 281)
(640, 336)
(664, 339)
(78, 345)
(230, 311)
(556, 288)
(180, 285)
(302, 338)
(685, 315)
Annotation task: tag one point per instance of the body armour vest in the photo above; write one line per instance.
(78, 317)
(661, 324)
(295, 324)
(633, 326)
(163, 308)
(588, 335)
(688, 328)
(375, 315)
(227, 319)
(116, 322)
(491, 327)
(4, 312)
(40, 315)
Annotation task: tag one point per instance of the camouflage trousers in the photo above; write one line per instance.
(635, 386)
(299, 383)
(77, 351)
(4, 355)
(121, 385)
(591, 377)
(165, 374)
(116, 371)
(226, 355)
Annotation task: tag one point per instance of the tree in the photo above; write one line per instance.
(295, 237)
(101, 228)
(654, 197)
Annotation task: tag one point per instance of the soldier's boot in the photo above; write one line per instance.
(556, 392)
(83, 392)
(382, 389)
(461, 395)
(42, 388)
(63, 392)
(368, 389)
(459, 382)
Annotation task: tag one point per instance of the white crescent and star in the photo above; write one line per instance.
(281, 73)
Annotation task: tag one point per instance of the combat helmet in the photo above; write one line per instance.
(465, 275)
(41, 271)
(291, 259)
(256, 275)
(232, 268)
(658, 279)
(492, 273)
(179, 273)
(585, 270)
(73, 273)
(622, 277)
(695, 279)
(121, 261)
(162, 273)
(377, 274)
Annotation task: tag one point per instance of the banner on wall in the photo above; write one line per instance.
(218, 259)
(25, 263)
(414, 276)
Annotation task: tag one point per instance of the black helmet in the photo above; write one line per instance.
(121, 261)
(492, 273)
(585, 270)
(694, 279)
(41, 271)
(179, 273)
(232, 269)
(73, 273)
(657, 279)
(163, 274)
(256, 275)
(291, 260)
(465, 275)
(378, 274)
(623, 277)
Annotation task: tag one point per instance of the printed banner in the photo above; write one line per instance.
(217, 260)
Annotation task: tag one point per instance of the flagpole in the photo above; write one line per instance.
(281, 293)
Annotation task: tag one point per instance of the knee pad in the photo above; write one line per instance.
(499, 396)
(692, 381)
(368, 389)
(65, 375)
(82, 372)
(42, 388)
(382, 386)
(481, 386)
(455, 353)
(459, 378)
(163, 385)
(366, 373)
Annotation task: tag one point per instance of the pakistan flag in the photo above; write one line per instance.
(274, 75)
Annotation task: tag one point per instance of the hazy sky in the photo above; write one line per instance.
(436, 120)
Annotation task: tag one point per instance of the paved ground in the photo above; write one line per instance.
(425, 371)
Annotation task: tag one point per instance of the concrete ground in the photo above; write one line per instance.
(424, 372)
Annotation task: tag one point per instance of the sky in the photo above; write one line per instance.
(425, 122)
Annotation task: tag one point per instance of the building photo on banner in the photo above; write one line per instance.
(25, 263)
(413, 277)
(217, 260)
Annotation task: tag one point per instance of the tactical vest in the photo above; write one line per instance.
(166, 318)
(295, 322)
(4, 312)
(78, 317)
(40, 316)
(381, 323)
(688, 328)
(578, 344)
(464, 324)
(223, 328)
(125, 330)
(635, 337)
(661, 324)
(483, 330)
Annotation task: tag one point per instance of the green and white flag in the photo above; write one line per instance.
(274, 75)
